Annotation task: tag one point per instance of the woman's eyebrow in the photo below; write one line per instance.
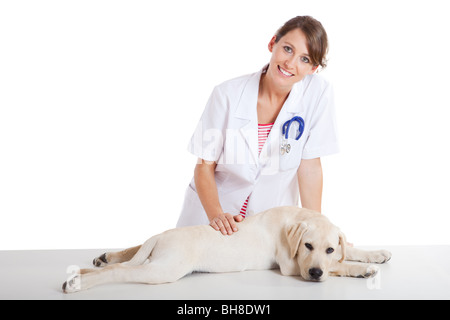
(293, 47)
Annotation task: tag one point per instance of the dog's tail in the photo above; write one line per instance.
(144, 252)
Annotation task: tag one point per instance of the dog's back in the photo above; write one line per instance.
(251, 248)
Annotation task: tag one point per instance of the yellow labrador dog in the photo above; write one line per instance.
(299, 242)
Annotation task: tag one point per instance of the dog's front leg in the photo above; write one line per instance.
(376, 256)
(288, 266)
(357, 270)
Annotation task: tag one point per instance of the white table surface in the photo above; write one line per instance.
(415, 272)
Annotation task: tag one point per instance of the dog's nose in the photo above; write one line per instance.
(315, 273)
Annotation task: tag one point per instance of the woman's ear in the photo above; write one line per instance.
(314, 69)
(342, 243)
(272, 43)
(294, 236)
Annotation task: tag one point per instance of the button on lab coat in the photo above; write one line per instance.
(228, 134)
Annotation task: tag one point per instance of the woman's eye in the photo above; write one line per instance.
(288, 49)
(309, 246)
(330, 250)
(305, 59)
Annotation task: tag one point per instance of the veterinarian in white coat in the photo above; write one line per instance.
(234, 174)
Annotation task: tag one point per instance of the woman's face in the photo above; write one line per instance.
(290, 61)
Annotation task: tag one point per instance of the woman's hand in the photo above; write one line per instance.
(226, 223)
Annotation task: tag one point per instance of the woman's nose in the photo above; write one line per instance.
(289, 63)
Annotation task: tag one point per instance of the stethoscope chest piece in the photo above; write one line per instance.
(285, 148)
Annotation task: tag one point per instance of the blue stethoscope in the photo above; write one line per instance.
(285, 146)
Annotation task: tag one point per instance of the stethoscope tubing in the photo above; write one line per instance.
(287, 126)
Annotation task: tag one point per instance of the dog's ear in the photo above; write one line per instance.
(342, 243)
(294, 236)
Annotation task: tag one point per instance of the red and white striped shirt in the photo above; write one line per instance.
(263, 133)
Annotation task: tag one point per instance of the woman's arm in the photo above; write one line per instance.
(209, 197)
(310, 182)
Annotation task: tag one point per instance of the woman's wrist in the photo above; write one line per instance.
(214, 214)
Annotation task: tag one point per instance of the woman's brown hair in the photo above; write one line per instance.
(317, 39)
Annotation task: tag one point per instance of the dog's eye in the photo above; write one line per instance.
(330, 250)
(309, 246)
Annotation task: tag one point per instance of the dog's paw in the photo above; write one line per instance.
(101, 261)
(370, 272)
(380, 256)
(73, 284)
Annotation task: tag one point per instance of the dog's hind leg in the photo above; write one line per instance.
(131, 256)
(115, 257)
(152, 273)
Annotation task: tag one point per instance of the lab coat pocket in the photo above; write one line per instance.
(292, 155)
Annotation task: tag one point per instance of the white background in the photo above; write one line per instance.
(98, 100)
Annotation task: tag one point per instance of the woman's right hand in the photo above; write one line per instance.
(226, 223)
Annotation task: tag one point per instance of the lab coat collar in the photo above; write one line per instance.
(247, 114)
(247, 107)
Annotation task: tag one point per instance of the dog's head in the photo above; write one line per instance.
(314, 243)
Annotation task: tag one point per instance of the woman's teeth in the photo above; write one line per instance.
(287, 74)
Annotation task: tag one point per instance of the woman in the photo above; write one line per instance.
(261, 136)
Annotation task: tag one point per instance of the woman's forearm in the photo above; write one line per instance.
(310, 182)
(207, 188)
(205, 182)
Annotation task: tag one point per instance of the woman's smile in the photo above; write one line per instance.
(284, 72)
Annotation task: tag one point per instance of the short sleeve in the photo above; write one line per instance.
(208, 139)
(322, 139)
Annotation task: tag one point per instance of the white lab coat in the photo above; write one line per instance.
(228, 134)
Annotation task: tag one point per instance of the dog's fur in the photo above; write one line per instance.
(299, 242)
